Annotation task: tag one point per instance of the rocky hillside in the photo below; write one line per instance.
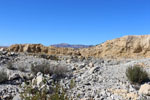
(65, 45)
(124, 47)
(39, 48)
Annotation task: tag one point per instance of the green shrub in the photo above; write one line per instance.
(58, 93)
(136, 74)
(30, 93)
(3, 76)
(72, 83)
(45, 68)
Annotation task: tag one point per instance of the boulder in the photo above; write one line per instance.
(94, 69)
(38, 81)
(17, 97)
(91, 64)
(82, 65)
(14, 76)
(145, 89)
(1, 49)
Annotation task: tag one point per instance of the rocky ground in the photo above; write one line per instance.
(91, 78)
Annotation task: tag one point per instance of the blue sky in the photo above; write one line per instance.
(71, 21)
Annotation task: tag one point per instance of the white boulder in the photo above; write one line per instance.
(145, 89)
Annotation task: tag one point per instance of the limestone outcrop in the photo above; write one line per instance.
(39, 48)
(30, 48)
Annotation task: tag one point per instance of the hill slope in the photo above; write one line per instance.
(127, 46)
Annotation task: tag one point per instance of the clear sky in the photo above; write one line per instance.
(71, 21)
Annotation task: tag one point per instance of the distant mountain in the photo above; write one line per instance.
(3, 47)
(65, 45)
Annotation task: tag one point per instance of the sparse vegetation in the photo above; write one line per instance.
(22, 68)
(58, 93)
(10, 65)
(54, 57)
(58, 70)
(51, 57)
(30, 93)
(136, 74)
(43, 68)
(78, 95)
(72, 83)
(33, 94)
(3, 76)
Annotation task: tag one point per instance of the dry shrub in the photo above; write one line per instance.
(137, 74)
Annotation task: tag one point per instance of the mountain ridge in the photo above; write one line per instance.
(66, 45)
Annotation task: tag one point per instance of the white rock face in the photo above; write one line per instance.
(17, 97)
(38, 80)
(145, 89)
(1, 49)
